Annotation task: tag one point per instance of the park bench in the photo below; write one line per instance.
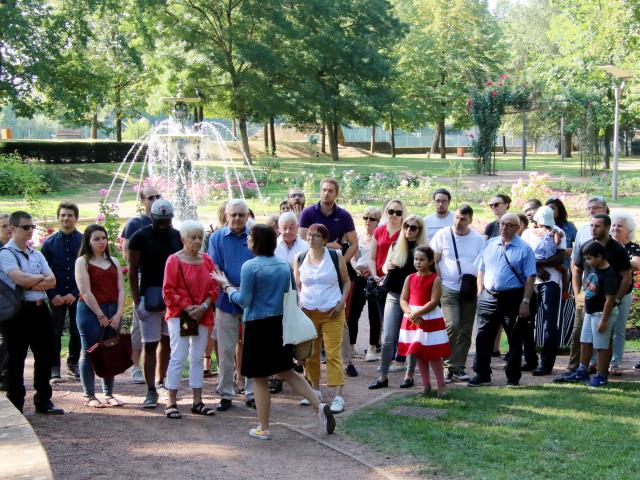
(67, 134)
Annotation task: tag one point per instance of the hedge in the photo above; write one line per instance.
(68, 151)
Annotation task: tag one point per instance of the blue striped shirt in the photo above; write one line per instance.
(498, 276)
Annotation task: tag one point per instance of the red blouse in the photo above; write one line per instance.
(104, 283)
(199, 285)
(383, 243)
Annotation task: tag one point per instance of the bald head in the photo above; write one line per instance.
(509, 225)
(148, 195)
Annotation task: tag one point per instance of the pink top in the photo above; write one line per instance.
(384, 242)
(199, 285)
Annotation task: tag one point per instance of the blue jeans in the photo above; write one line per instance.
(620, 329)
(392, 321)
(548, 309)
(89, 329)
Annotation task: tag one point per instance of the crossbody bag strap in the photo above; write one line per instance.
(185, 282)
(504, 252)
(455, 249)
(18, 287)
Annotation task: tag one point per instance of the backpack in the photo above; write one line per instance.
(334, 258)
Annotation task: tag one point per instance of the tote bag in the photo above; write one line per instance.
(297, 328)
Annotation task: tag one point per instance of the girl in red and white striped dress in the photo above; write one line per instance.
(423, 331)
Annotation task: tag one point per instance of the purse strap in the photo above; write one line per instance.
(455, 249)
(18, 288)
(504, 252)
(184, 281)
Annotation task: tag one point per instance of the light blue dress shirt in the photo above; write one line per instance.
(31, 261)
(498, 276)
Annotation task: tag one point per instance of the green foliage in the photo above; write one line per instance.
(23, 178)
(134, 129)
(109, 219)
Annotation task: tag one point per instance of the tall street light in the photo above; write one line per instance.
(622, 75)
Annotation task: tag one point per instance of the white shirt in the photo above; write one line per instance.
(364, 252)
(533, 240)
(433, 223)
(290, 253)
(320, 288)
(470, 247)
(582, 238)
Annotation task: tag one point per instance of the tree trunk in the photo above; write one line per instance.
(504, 144)
(118, 108)
(94, 125)
(373, 139)
(608, 134)
(535, 146)
(435, 143)
(443, 145)
(333, 140)
(266, 138)
(627, 133)
(393, 139)
(200, 114)
(323, 138)
(568, 144)
(272, 132)
(245, 139)
(234, 128)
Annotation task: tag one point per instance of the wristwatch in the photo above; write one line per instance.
(525, 301)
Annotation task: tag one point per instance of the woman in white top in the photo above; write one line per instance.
(361, 264)
(319, 283)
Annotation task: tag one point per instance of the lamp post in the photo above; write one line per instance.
(622, 75)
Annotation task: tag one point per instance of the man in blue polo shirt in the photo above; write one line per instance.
(228, 249)
(61, 252)
(506, 275)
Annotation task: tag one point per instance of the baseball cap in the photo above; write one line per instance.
(162, 209)
(544, 216)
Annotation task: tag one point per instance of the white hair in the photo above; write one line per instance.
(287, 217)
(190, 226)
(235, 202)
(4, 215)
(628, 221)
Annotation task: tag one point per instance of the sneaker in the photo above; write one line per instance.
(397, 367)
(337, 406)
(137, 376)
(461, 375)
(513, 383)
(73, 371)
(615, 370)
(637, 366)
(326, 418)
(55, 375)
(305, 403)
(577, 376)
(479, 381)
(162, 391)
(598, 381)
(151, 400)
(351, 370)
(371, 354)
(448, 375)
(259, 433)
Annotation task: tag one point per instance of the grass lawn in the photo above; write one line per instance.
(538, 432)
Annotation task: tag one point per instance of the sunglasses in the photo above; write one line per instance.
(373, 219)
(26, 228)
(494, 205)
(411, 228)
(397, 213)
(153, 197)
(296, 195)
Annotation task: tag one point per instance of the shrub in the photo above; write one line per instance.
(18, 177)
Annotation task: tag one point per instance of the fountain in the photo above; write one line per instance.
(176, 154)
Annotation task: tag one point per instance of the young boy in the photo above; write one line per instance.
(600, 287)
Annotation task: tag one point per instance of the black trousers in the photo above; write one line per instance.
(3, 350)
(59, 314)
(358, 300)
(31, 328)
(491, 313)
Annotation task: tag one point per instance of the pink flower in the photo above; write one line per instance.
(500, 84)
(489, 84)
(42, 240)
(125, 270)
(504, 76)
(634, 298)
(100, 218)
(494, 94)
(136, 188)
(636, 285)
(50, 230)
(103, 192)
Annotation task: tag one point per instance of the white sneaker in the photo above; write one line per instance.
(397, 367)
(137, 376)
(371, 354)
(327, 421)
(337, 406)
(305, 403)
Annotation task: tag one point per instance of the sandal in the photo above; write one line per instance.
(200, 409)
(172, 412)
(275, 385)
(93, 403)
(112, 401)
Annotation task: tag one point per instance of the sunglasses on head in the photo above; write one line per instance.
(411, 228)
(26, 228)
(397, 213)
(373, 219)
(153, 197)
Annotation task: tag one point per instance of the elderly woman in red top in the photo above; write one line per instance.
(188, 293)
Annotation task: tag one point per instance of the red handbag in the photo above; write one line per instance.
(112, 356)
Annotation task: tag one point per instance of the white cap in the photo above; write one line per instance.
(544, 216)
(162, 209)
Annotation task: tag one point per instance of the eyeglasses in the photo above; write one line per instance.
(397, 213)
(314, 235)
(296, 195)
(509, 225)
(237, 215)
(411, 228)
(373, 219)
(494, 205)
(26, 228)
(153, 198)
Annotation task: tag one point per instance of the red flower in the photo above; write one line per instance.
(504, 76)
(489, 84)
(636, 285)
(494, 94)
(49, 231)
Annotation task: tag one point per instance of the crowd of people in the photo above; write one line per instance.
(425, 283)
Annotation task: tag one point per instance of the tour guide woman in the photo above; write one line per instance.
(100, 283)
(263, 282)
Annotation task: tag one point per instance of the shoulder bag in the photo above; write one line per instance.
(468, 282)
(111, 355)
(188, 324)
(297, 329)
(10, 298)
